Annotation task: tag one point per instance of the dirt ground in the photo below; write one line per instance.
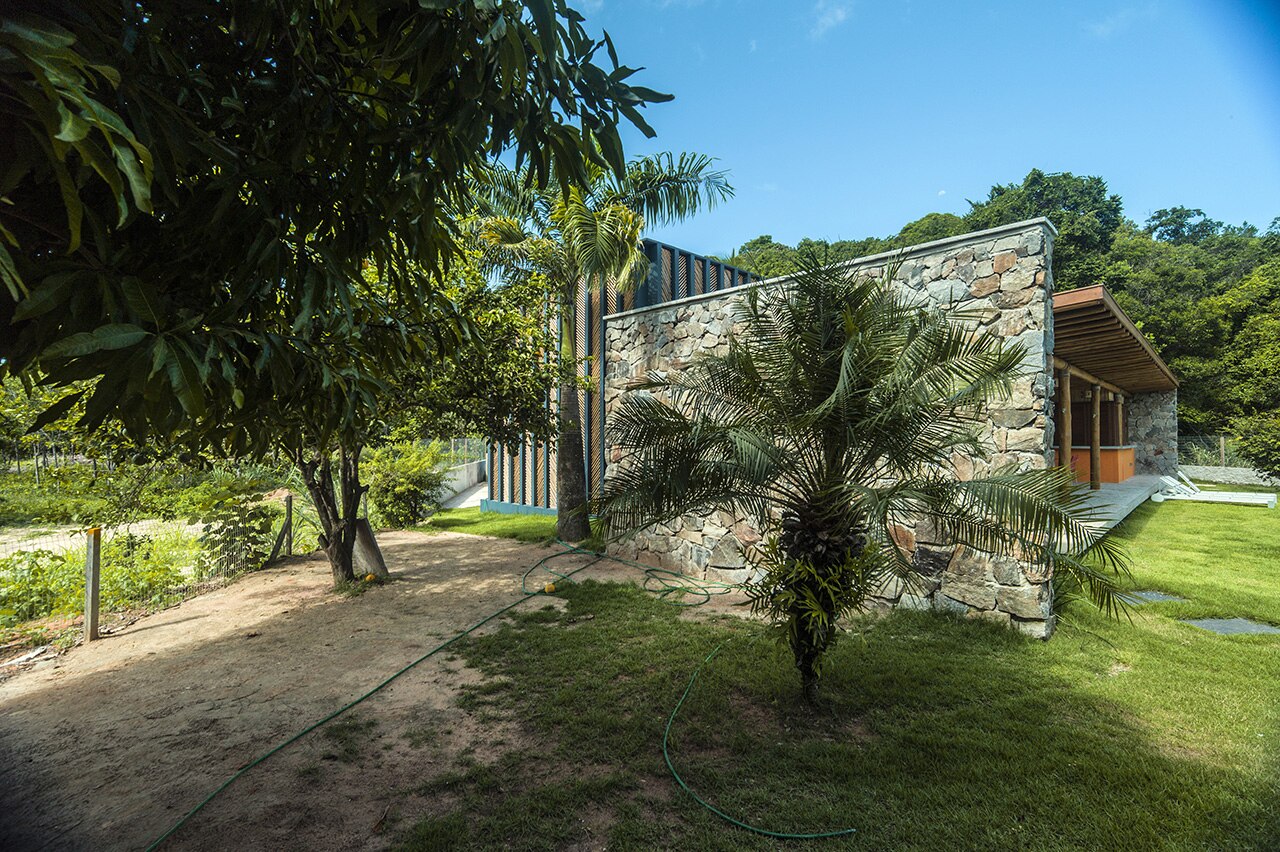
(106, 747)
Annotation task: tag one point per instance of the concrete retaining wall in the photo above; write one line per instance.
(1226, 475)
(462, 477)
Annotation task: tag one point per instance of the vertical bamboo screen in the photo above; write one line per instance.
(524, 474)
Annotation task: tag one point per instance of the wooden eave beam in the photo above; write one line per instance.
(1087, 376)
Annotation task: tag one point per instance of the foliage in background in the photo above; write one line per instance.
(831, 420)
(126, 492)
(1260, 442)
(138, 570)
(498, 384)
(236, 533)
(247, 120)
(576, 236)
(1206, 294)
(406, 483)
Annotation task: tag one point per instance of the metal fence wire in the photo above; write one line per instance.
(1210, 451)
(142, 566)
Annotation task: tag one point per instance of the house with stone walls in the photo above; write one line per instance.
(1095, 395)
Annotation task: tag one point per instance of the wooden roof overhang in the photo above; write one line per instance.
(1095, 337)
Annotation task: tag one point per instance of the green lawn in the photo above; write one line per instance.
(534, 528)
(937, 733)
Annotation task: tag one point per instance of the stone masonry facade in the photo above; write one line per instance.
(1153, 431)
(1002, 278)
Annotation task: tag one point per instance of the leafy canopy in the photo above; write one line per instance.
(197, 190)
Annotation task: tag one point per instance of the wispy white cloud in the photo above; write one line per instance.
(829, 14)
(941, 192)
(766, 187)
(1121, 20)
(752, 46)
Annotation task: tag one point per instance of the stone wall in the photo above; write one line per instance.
(1153, 431)
(1003, 277)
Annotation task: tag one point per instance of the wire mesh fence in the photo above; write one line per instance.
(142, 566)
(463, 450)
(1210, 451)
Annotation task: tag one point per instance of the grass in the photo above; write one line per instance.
(935, 732)
(528, 528)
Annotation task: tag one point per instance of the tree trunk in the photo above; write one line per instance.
(337, 509)
(571, 471)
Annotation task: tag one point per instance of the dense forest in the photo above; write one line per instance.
(1206, 293)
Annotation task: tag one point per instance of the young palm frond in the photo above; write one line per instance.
(833, 418)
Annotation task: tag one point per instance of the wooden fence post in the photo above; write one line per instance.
(1222, 451)
(92, 570)
(288, 525)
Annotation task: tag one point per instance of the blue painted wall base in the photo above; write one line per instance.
(504, 508)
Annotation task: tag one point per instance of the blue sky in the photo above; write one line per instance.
(849, 118)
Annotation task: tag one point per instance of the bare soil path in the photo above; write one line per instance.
(106, 747)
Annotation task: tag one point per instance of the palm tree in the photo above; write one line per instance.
(831, 419)
(575, 236)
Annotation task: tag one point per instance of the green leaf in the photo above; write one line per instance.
(48, 295)
(140, 300)
(108, 337)
(74, 128)
(9, 273)
(55, 412)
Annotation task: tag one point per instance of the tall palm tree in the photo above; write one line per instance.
(575, 236)
(831, 419)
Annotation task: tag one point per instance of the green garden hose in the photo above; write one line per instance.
(666, 755)
(661, 582)
(155, 844)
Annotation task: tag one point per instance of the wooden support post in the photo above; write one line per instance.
(288, 525)
(1064, 420)
(1222, 451)
(1095, 441)
(92, 571)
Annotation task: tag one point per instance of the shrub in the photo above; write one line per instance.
(236, 534)
(406, 483)
(137, 570)
(143, 570)
(35, 583)
(1260, 443)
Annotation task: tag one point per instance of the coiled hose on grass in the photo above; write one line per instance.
(669, 586)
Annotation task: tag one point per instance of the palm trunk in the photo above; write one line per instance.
(337, 510)
(571, 469)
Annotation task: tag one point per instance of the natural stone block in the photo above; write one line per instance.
(1012, 324)
(931, 562)
(1017, 278)
(1035, 628)
(890, 588)
(734, 576)
(984, 286)
(1029, 601)
(1030, 438)
(992, 615)
(903, 537)
(1007, 571)
(727, 554)
(1004, 260)
(942, 603)
(974, 591)
(918, 603)
(1012, 418)
(745, 533)
(1018, 298)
